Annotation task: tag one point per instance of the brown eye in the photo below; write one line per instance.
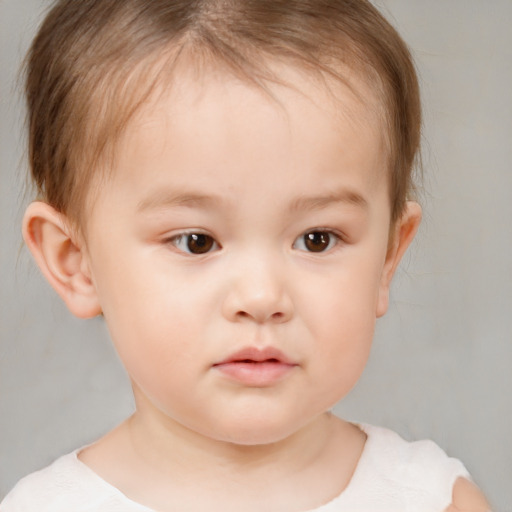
(194, 243)
(197, 243)
(316, 241)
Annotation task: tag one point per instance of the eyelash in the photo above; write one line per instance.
(206, 243)
(333, 240)
(202, 239)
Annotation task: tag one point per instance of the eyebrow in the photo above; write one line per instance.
(323, 201)
(164, 199)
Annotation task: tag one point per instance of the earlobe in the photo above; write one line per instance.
(404, 232)
(61, 259)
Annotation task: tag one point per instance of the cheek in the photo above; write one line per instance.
(340, 317)
(345, 339)
(151, 315)
(158, 348)
(343, 301)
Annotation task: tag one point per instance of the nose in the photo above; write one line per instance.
(258, 293)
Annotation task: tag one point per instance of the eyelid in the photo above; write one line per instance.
(339, 238)
(172, 240)
(337, 235)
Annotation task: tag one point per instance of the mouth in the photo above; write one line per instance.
(256, 367)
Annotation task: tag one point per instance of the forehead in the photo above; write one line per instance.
(197, 100)
(214, 121)
(346, 97)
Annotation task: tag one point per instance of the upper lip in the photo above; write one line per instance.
(257, 355)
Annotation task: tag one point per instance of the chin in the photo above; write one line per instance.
(257, 431)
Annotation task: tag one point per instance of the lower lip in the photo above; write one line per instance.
(262, 374)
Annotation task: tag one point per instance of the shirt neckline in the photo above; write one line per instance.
(113, 492)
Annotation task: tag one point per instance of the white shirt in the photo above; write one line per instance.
(392, 475)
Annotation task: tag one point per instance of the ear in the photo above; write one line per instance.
(401, 237)
(61, 258)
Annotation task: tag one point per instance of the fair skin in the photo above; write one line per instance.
(229, 224)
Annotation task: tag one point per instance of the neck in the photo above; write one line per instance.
(174, 450)
(160, 463)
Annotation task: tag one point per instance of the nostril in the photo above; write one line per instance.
(278, 316)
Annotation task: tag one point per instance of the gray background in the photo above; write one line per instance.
(442, 359)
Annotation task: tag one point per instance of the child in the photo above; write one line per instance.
(227, 182)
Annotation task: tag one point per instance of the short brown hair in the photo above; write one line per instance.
(94, 62)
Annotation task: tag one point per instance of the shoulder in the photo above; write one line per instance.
(467, 497)
(39, 489)
(422, 470)
(63, 486)
(417, 458)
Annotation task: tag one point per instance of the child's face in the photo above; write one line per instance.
(236, 222)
